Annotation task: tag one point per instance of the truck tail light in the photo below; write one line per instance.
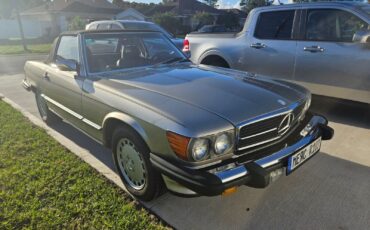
(179, 144)
(186, 47)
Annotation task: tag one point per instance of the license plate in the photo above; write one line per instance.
(303, 155)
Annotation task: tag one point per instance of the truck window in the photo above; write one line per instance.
(68, 48)
(275, 25)
(332, 25)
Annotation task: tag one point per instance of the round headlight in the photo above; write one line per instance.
(200, 149)
(222, 143)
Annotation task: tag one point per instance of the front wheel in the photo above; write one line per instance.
(131, 157)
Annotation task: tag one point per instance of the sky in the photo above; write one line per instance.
(222, 3)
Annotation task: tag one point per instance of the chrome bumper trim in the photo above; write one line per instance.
(26, 85)
(240, 171)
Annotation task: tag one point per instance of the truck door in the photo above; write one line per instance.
(328, 61)
(62, 86)
(271, 47)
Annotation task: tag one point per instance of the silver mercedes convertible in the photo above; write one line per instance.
(197, 130)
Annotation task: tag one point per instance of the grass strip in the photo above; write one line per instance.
(45, 186)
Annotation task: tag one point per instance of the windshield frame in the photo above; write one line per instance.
(86, 64)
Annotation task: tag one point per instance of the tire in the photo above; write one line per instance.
(46, 115)
(131, 157)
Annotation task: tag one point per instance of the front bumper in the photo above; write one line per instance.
(254, 173)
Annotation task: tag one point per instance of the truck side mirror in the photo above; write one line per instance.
(362, 36)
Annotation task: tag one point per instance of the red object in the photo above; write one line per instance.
(186, 47)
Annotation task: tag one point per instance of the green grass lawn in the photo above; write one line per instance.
(44, 186)
(18, 49)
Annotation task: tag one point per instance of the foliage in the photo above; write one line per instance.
(77, 23)
(141, 7)
(248, 5)
(44, 186)
(203, 18)
(229, 20)
(169, 21)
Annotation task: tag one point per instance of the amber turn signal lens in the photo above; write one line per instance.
(229, 191)
(179, 144)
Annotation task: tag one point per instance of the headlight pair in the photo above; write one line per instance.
(205, 148)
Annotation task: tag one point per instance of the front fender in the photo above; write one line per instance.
(126, 119)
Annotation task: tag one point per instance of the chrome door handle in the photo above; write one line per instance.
(314, 49)
(258, 45)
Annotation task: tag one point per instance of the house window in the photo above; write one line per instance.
(275, 25)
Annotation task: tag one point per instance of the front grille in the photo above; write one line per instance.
(265, 130)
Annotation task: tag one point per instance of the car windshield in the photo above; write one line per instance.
(117, 51)
(145, 26)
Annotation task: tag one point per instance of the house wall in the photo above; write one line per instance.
(32, 29)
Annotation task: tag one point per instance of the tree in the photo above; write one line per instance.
(248, 5)
(77, 24)
(203, 18)
(229, 20)
(169, 21)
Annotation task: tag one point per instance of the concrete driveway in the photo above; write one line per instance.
(331, 191)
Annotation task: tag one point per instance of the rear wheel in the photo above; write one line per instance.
(46, 115)
(131, 157)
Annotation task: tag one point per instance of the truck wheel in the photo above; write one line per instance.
(46, 115)
(131, 157)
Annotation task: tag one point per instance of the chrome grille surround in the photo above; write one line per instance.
(266, 128)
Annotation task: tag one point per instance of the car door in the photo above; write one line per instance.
(328, 62)
(62, 87)
(271, 46)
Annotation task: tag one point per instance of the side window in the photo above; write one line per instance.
(332, 25)
(68, 48)
(275, 25)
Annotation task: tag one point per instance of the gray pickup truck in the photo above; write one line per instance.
(322, 46)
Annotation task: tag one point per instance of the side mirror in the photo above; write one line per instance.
(68, 65)
(362, 36)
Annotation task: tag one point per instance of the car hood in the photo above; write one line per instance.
(233, 95)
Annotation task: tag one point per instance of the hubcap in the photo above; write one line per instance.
(42, 106)
(131, 164)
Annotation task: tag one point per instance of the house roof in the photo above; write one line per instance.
(87, 6)
(183, 7)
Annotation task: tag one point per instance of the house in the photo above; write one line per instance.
(185, 9)
(56, 15)
(131, 14)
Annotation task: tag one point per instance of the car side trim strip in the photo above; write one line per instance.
(73, 113)
(92, 124)
(78, 116)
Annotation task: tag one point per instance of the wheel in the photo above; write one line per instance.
(131, 157)
(46, 115)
